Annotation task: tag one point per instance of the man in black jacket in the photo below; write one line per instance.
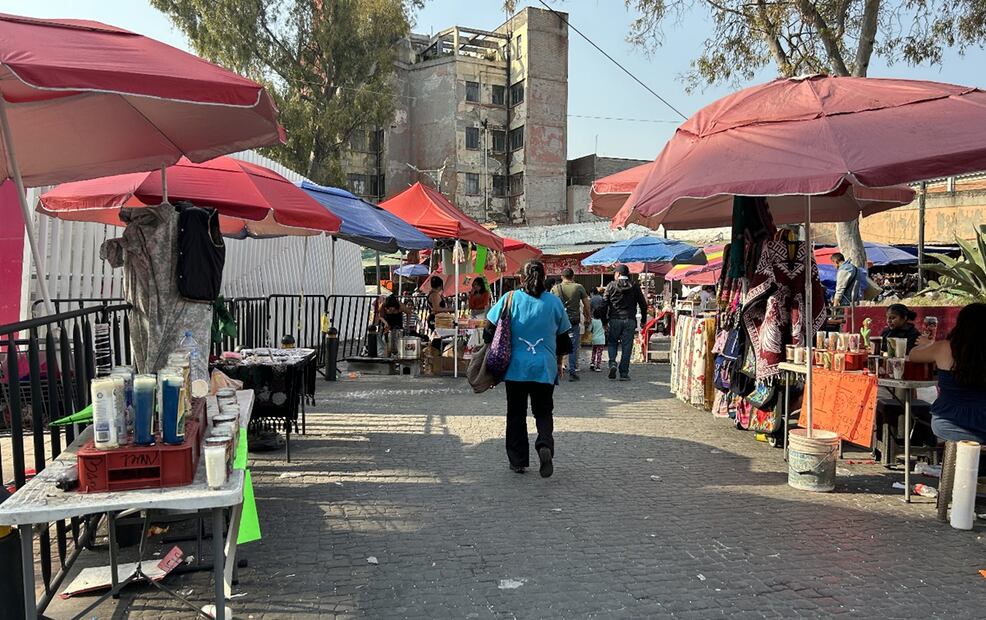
(623, 298)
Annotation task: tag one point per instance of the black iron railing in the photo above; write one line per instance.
(46, 367)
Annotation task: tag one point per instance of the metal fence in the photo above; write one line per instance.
(47, 365)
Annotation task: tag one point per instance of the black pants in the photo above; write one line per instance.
(542, 404)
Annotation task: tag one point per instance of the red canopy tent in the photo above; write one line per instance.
(518, 253)
(430, 212)
(609, 193)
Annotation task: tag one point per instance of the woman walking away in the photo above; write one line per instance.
(538, 326)
(959, 412)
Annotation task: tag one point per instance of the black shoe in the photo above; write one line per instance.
(517, 469)
(592, 368)
(573, 377)
(612, 373)
(625, 378)
(547, 468)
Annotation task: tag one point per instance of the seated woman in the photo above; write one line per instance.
(900, 324)
(959, 412)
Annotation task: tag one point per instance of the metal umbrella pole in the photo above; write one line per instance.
(332, 274)
(15, 171)
(301, 296)
(378, 272)
(455, 321)
(809, 337)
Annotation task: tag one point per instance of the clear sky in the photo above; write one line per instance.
(597, 88)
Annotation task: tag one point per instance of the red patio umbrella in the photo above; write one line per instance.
(80, 99)
(608, 194)
(253, 201)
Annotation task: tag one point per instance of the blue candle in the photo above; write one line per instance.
(144, 386)
(172, 426)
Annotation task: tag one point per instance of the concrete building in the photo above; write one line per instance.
(482, 115)
(581, 173)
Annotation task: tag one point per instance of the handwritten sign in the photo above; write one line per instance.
(843, 403)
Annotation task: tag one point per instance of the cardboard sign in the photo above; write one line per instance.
(843, 403)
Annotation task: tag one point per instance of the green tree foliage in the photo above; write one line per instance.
(328, 64)
(838, 37)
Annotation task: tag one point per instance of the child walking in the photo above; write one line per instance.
(598, 341)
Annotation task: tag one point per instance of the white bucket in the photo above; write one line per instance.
(811, 460)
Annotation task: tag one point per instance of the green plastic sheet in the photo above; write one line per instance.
(249, 520)
(481, 255)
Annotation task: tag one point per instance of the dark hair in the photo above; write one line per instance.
(968, 352)
(482, 284)
(392, 301)
(599, 313)
(287, 339)
(622, 270)
(534, 278)
(549, 282)
(568, 274)
(837, 257)
(902, 311)
(436, 282)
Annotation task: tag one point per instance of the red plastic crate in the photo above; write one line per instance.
(143, 467)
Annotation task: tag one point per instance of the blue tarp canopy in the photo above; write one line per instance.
(366, 224)
(647, 249)
(413, 271)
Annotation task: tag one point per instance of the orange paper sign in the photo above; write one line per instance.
(844, 404)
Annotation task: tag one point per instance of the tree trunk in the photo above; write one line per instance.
(316, 156)
(851, 242)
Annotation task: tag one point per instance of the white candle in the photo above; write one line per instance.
(215, 460)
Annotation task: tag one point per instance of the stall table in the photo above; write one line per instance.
(40, 501)
(908, 387)
(281, 379)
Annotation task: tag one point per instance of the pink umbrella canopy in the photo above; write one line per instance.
(85, 99)
(252, 201)
(819, 136)
(608, 194)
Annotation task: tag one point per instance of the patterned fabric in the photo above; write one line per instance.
(775, 307)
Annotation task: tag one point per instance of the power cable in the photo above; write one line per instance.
(619, 118)
(614, 61)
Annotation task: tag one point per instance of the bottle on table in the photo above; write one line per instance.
(197, 366)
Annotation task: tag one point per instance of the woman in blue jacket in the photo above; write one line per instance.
(537, 320)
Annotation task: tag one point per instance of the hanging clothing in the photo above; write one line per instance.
(774, 313)
(201, 253)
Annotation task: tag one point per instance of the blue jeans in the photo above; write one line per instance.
(950, 431)
(621, 333)
(573, 357)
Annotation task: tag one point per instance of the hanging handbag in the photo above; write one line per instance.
(742, 380)
(763, 396)
(479, 374)
(721, 372)
(498, 353)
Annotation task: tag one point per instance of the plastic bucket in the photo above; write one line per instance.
(811, 460)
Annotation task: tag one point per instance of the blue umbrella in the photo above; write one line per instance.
(413, 271)
(366, 224)
(647, 249)
(881, 255)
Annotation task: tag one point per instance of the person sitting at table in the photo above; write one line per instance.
(479, 299)
(900, 324)
(959, 412)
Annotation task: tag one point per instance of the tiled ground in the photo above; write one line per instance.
(655, 510)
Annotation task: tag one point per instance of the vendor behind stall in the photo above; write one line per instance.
(900, 324)
(479, 299)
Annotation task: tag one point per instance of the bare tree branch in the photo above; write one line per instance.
(867, 37)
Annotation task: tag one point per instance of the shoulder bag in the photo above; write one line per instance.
(490, 362)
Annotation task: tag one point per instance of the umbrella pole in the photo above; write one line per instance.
(400, 282)
(455, 323)
(301, 296)
(809, 337)
(164, 184)
(379, 288)
(332, 274)
(15, 171)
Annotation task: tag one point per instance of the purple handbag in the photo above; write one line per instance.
(498, 353)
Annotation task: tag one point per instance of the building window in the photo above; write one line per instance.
(499, 185)
(517, 184)
(357, 184)
(357, 140)
(520, 45)
(499, 140)
(374, 185)
(472, 138)
(376, 141)
(517, 93)
(517, 138)
(472, 92)
(472, 183)
(499, 95)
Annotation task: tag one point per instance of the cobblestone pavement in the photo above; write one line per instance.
(655, 510)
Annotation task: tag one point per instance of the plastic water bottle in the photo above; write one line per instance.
(198, 375)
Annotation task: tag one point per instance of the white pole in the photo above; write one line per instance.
(400, 280)
(332, 274)
(301, 296)
(809, 336)
(15, 171)
(455, 323)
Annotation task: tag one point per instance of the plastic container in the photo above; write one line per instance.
(104, 413)
(198, 373)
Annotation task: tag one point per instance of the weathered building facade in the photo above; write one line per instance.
(483, 116)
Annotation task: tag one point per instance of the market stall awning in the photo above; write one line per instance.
(880, 254)
(253, 201)
(430, 212)
(608, 194)
(366, 224)
(517, 253)
(647, 249)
